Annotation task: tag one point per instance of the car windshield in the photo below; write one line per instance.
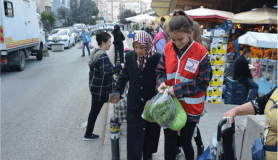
(54, 32)
(62, 32)
(73, 30)
(99, 25)
(110, 25)
(78, 26)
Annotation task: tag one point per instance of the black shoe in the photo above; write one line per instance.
(92, 138)
(201, 150)
(178, 152)
(83, 56)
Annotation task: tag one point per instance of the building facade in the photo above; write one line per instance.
(44, 6)
(57, 4)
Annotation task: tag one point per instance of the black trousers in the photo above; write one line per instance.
(95, 109)
(185, 139)
(198, 139)
(119, 48)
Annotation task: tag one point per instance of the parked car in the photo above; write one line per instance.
(61, 36)
(110, 26)
(79, 27)
(75, 33)
(92, 30)
(100, 27)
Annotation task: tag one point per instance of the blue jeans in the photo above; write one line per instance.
(254, 87)
(86, 45)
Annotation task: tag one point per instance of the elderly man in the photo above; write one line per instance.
(242, 74)
(161, 38)
(85, 37)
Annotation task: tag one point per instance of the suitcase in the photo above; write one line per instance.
(228, 136)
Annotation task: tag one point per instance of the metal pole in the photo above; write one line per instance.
(114, 129)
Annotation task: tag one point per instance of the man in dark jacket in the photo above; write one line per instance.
(229, 65)
(243, 75)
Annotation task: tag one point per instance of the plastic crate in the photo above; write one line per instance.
(235, 92)
(234, 84)
(231, 99)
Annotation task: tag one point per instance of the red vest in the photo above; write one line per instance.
(158, 36)
(184, 70)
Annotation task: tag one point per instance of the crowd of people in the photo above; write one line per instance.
(176, 58)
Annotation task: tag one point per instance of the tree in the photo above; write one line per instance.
(48, 20)
(63, 14)
(127, 13)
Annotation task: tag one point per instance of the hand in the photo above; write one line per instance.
(147, 103)
(231, 114)
(122, 64)
(115, 101)
(179, 133)
(171, 92)
(162, 87)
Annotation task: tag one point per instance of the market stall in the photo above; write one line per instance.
(262, 15)
(267, 75)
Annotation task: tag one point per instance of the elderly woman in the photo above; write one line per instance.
(266, 105)
(139, 70)
(100, 80)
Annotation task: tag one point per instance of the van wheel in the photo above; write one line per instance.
(22, 62)
(40, 54)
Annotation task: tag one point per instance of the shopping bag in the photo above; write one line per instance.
(91, 46)
(163, 110)
(80, 46)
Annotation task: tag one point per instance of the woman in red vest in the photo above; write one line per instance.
(185, 66)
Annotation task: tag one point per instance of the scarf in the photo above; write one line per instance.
(144, 39)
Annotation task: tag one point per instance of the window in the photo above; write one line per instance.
(9, 12)
(48, 9)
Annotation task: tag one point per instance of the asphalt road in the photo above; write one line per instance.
(45, 109)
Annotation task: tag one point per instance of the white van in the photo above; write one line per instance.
(20, 34)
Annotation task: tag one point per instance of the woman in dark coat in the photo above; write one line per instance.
(100, 80)
(118, 43)
(139, 70)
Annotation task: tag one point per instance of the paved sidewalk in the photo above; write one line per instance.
(207, 125)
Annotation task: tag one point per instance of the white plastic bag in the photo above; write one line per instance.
(213, 141)
(163, 111)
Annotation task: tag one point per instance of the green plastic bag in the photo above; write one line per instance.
(181, 116)
(146, 115)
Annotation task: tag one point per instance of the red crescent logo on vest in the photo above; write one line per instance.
(192, 65)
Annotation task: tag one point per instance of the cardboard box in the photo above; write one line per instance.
(214, 99)
(217, 59)
(216, 81)
(218, 70)
(206, 33)
(220, 40)
(218, 33)
(217, 48)
(216, 90)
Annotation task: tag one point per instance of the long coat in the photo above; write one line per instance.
(141, 135)
(241, 70)
(118, 42)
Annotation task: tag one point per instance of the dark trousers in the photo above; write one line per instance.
(186, 137)
(87, 46)
(198, 139)
(121, 54)
(95, 109)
